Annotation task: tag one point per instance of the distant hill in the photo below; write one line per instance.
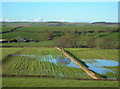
(105, 23)
(54, 23)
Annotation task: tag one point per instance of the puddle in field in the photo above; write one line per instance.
(104, 62)
(62, 60)
(98, 65)
(58, 59)
(61, 75)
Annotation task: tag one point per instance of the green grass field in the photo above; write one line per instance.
(66, 28)
(49, 43)
(8, 51)
(27, 35)
(6, 29)
(94, 53)
(73, 32)
(32, 32)
(51, 82)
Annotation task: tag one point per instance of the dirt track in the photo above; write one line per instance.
(89, 72)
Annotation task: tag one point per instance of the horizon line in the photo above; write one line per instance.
(61, 22)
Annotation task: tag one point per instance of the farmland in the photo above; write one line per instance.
(59, 44)
(6, 29)
(80, 34)
(51, 62)
(28, 62)
(31, 44)
(66, 28)
(33, 61)
(101, 61)
(51, 82)
(6, 51)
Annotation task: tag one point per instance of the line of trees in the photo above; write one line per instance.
(70, 42)
(106, 43)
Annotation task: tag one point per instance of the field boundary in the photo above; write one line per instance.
(89, 72)
(12, 75)
(14, 29)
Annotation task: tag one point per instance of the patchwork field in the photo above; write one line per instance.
(55, 66)
(41, 33)
(69, 44)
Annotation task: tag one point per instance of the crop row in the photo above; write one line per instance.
(26, 63)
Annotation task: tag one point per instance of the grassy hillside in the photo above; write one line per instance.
(38, 33)
(27, 35)
(90, 35)
(8, 51)
(66, 28)
(32, 44)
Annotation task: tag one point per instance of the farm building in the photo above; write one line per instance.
(21, 40)
(3, 41)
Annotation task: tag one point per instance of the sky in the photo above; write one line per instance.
(60, 11)
(60, 0)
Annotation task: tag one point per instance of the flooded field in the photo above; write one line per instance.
(102, 61)
(51, 62)
(50, 65)
(108, 68)
(57, 59)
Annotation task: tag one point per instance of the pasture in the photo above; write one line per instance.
(66, 28)
(52, 82)
(48, 43)
(6, 29)
(51, 34)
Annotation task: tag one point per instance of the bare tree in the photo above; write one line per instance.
(82, 33)
(49, 34)
(96, 33)
(66, 42)
(91, 43)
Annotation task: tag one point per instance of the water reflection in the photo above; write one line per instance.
(63, 60)
(98, 65)
(104, 62)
